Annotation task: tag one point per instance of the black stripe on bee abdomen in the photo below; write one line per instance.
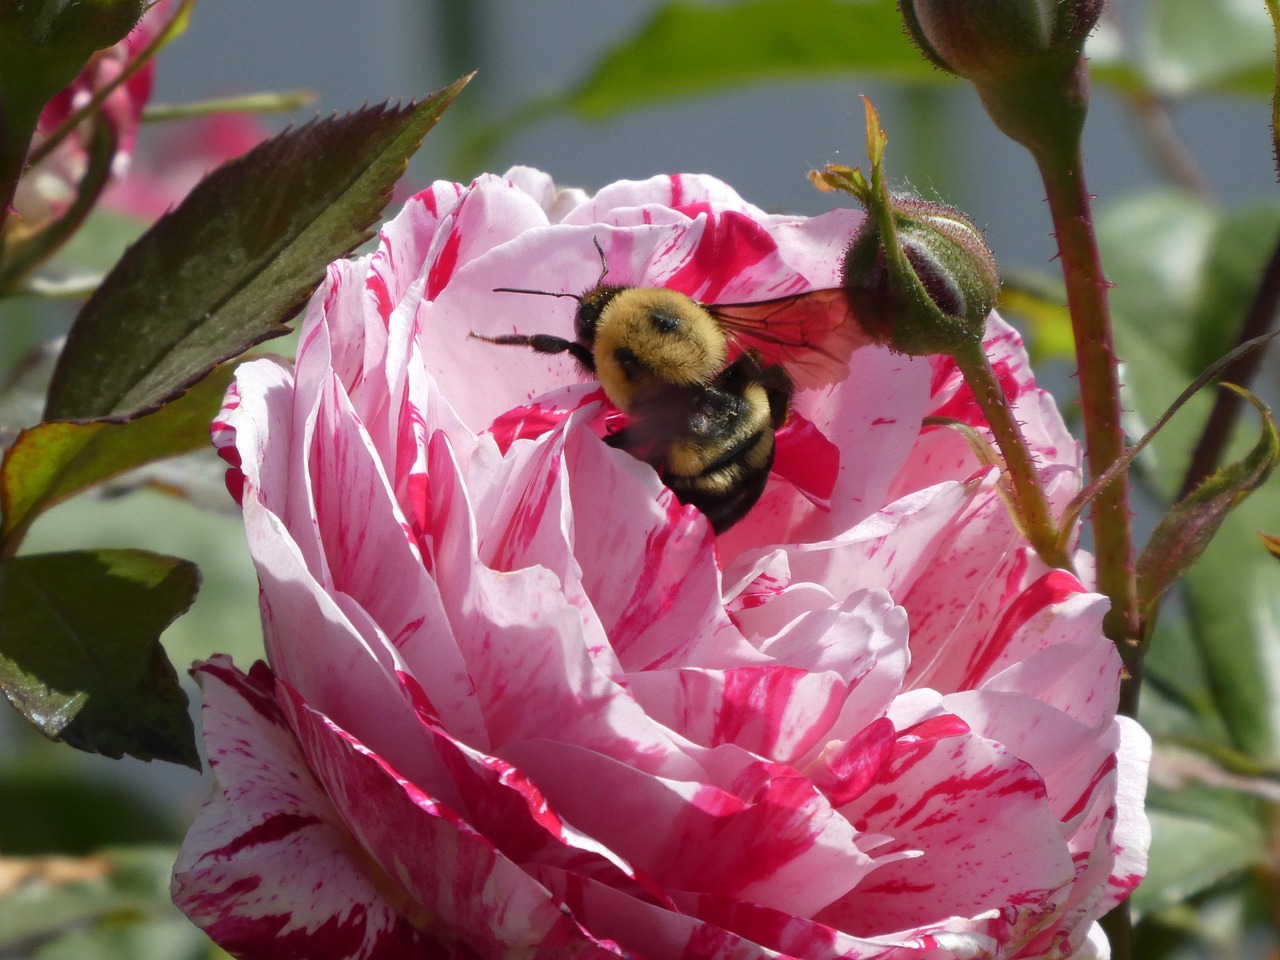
(726, 490)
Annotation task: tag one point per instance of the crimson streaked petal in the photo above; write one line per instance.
(465, 889)
(974, 818)
(268, 831)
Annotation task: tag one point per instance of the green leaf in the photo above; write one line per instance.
(688, 49)
(1172, 260)
(1155, 245)
(1233, 608)
(54, 460)
(80, 652)
(1184, 272)
(1185, 531)
(235, 261)
(225, 616)
(1232, 272)
(1202, 46)
(1199, 838)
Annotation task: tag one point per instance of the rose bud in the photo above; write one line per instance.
(1022, 56)
(983, 40)
(948, 287)
(47, 43)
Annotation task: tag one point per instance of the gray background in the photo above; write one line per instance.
(761, 140)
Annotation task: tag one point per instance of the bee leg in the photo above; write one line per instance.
(544, 343)
(633, 441)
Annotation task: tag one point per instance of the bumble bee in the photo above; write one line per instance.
(704, 387)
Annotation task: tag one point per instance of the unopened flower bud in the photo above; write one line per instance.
(1024, 57)
(936, 298)
(919, 276)
(986, 39)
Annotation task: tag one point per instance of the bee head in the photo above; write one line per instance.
(586, 321)
(647, 337)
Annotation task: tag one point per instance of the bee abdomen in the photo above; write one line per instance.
(726, 491)
(721, 462)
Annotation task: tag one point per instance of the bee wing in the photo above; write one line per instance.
(812, 334)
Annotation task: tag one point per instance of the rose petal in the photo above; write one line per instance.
(983, 834)
(269, 830)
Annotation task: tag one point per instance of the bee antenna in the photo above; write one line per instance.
(539, 293)
(604, 264)
(604, 270)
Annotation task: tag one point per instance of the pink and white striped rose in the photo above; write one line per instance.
(521, 702)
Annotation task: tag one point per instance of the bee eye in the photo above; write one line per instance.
(663, 320)
(585, 322)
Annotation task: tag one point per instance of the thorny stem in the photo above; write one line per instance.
(1062, 171)
(1227, 404)
(1044, 110)
(1273, 8)
(1032, 507)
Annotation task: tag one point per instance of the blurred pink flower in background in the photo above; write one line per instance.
(178, 157)
(522, 702)
(145, 180)
(49, 187)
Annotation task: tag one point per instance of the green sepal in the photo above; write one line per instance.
(1187, 528)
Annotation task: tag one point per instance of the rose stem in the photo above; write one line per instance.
(1032, 506)
(1062, 170)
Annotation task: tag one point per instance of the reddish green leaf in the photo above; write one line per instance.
(1186, 530)
(80, 652)
(54, 460)
(1272, 543)
(235, 261)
